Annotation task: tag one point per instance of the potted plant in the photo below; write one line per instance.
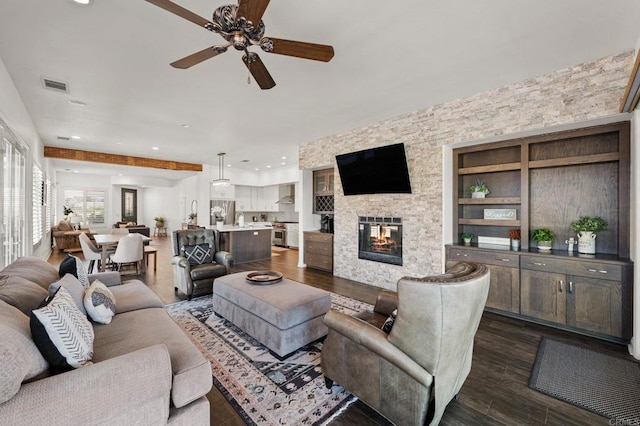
(467, 237)
(585, 227)
(544, 237)
(219, 215)
(159, 221)
(478, 189)
(514, 234)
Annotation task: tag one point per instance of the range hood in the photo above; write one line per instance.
(289, 198)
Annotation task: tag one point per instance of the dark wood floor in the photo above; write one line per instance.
(496, 391)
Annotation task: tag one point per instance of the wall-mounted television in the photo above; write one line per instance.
(381, 170)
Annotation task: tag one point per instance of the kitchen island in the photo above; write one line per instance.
(246, 244)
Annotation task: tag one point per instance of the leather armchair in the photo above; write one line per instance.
(410, 374)
(196, 280)
(58, 231)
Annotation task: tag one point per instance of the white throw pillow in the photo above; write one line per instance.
(100, 303)
(62, 333)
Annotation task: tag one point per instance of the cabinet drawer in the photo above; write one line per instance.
(318, 237)
(605, 271)
(318, 247)
(498, 258)
(318, 261)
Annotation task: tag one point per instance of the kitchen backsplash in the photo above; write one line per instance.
(288, 216)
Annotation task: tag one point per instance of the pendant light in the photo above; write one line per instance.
(221, 182)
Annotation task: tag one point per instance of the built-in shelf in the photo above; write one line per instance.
(489, 222)
(489, 169)
(577, 160)
(489, 201)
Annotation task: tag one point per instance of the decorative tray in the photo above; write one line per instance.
(264, 277)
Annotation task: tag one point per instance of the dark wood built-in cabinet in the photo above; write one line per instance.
(323, 191)
(552, 180)
(318, 250)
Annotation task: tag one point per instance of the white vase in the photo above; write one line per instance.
(477, 195)
(219, 224)
(586, 242)
(545, 245)
(467, 241)
(515, 244)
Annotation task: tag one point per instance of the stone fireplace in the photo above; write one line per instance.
(380, 239)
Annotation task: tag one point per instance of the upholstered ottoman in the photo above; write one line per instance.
(283, 316)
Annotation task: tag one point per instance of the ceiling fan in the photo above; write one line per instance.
(241, 25)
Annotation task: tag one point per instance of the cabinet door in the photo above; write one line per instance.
(504, 290)
(543, 295)
(595, 305)
(243, 198)
(269, 197)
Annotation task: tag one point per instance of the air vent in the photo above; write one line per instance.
(63, 138)
(60, 86)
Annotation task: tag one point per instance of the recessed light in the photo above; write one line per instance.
(83, 2)
(155, 148)
(77, 103)
(268, 167)
(77, 138)
(283, 163)
(257, 169)
(76, 171)
(186, 126)
(284, 158)
(244, 161)
(228, 165)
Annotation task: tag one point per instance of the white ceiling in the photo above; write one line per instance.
(390, 58)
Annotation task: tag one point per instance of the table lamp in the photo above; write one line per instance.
(75, 222)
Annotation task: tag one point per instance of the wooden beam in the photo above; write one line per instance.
(123, 160)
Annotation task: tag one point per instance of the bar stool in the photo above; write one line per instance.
(151, 250)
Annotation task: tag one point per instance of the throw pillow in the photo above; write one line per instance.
(62, 333)
(20, 359)
(388, 324)
(74, 287)
(74, 266)
(100, 303)
(198, 254)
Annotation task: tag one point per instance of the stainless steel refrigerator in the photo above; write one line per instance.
(228, 206)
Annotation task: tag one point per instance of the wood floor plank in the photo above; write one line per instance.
(496, 391)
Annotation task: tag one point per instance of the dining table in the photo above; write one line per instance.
(104, 241)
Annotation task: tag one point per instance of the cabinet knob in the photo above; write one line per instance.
(570, 286)
(539, 264)
(561, 286)
(602, 271)
(506, 260)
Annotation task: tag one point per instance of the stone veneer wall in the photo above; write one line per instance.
(579, 93)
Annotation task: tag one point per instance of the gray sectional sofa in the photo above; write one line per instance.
(145, 369)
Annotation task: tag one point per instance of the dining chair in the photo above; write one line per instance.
(91, 252)
(129, 251)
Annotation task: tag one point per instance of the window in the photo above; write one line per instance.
(47, 204)
(88, 203)
(13, 233)
(37, 201)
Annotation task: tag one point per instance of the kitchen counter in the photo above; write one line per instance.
(246, 244)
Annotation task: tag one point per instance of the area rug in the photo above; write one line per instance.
(598, 382)
(261, 388)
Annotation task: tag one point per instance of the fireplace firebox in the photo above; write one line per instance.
(380, 239)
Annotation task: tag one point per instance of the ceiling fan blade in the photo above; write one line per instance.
(258, 71)
(251, 10)
(299, 49)
(183, 13)
(196, 58)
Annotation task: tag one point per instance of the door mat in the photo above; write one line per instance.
(261, 388)
(598, 382)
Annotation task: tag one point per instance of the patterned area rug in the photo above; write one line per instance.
(589, 379)
(263, 389)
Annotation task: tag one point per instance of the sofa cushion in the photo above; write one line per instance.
(19, 357)
(134, 295)
(62, 333)
(21, 293)
(100, 303)
(198, 254)
(129, 331)
(74, 287)
(63, 225)
(74, 266)
(32, 269)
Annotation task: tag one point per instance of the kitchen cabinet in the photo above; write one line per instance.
(247, 198)
(269, 195)
(318, 250)
(323, 197)
(544, 296)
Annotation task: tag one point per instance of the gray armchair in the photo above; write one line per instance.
(197, 279)
(410, 374)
